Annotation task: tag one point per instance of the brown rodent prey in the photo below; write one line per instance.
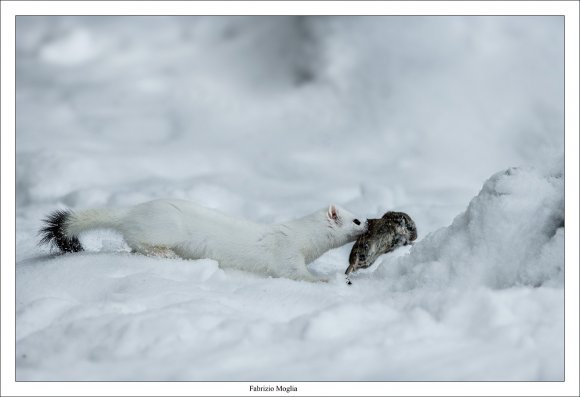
(393, 230)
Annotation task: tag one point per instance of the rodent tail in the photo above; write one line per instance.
(62, 227)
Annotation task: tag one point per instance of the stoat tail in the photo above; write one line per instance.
(62, 227)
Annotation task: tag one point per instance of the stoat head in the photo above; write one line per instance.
(345, 224)
(393, 230)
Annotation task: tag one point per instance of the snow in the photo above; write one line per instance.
(511, 234)
(457, 121)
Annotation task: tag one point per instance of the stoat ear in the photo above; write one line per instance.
(332, 212)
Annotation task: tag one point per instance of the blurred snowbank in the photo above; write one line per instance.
(428, 104)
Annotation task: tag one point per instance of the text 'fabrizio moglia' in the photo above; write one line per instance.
(287, 389)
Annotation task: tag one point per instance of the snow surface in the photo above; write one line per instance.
(270, 119)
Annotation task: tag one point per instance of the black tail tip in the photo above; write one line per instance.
(53, 232)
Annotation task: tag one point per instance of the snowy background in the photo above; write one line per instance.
(457, 121)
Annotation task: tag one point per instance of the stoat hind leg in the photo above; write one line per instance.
(156, 251)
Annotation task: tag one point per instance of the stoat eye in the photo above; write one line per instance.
(356, 222)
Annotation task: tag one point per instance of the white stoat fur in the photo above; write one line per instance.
(194, 232)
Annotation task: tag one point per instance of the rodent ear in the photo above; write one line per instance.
(332, 212)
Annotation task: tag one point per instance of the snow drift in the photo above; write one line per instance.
(512, 234)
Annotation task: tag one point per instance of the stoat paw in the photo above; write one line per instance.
(307, 276)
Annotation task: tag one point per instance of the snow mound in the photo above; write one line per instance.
(511, 234)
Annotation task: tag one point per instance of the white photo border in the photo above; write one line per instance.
(569, 9)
